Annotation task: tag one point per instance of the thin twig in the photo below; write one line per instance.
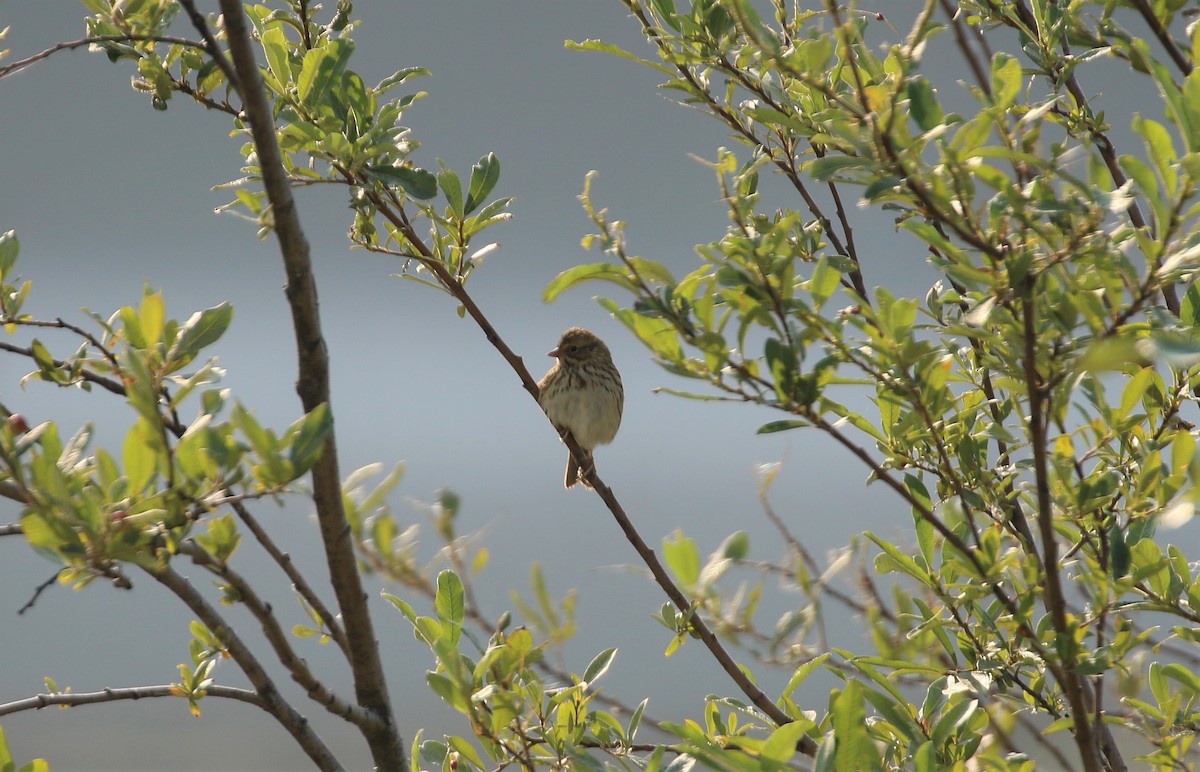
(273, 702)
(37, 591)
(279, 640)
(284, 561)
(21, 64)
(74, 699)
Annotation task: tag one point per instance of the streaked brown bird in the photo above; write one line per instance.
(582, 394)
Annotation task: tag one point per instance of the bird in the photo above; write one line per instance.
(582, 394)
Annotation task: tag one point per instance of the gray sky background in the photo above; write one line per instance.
(105, 194)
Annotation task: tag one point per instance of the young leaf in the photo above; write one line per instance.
(416, 182)
(484, 176)
(599, 665)
(450, 603)
(452, 190)
(311, 431)
(201, 330)
(682, 558)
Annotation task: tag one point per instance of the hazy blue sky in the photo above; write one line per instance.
(105, 194)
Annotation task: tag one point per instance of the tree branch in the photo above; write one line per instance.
(284, 561)
(1065, 644)
(73, 699)
(710, 640)
(272, 701)
(21, 64)
(278, 639)
(313, 388)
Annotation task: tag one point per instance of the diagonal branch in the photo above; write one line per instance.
(272, 701)
(648, 556)
(284, 561)
(278, 639)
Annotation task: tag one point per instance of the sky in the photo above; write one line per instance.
(108, 195)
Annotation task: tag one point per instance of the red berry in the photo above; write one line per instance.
(17, 423)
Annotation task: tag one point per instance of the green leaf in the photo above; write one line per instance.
(736, 546)
(201, 330)
(322, 68)
(599, 665)
(780, 426)
(682, 558)
(658, 335)
(275, 46)
(6, 759)
(825, 168)
(47, 369)
(396, 78)
(308, 442)
(592, 272)
(1134, 389)
(221, 539)
(784, 367)
(9, 248)
(636, 720)
(801, 673)
(824, 282)
(1189, 312)
(139, 457)
(1006, 80)
(952, 720)
(466, 751)
(484, 176)
(923, 104)
(151, 316)
(1119, 552)
(402, 605)
(781, 745)
(854, 747)
(609, 48)
(452, 189)
(416, 182)
(449, 602)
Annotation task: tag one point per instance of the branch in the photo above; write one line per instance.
(313, 388)
(278, 639)
(11, 490)
(1163, 35)
(21, 64)
(73, 699)
(284, 561)
(105, 383)
(459, 292)
(1055, 601)
(272, 701)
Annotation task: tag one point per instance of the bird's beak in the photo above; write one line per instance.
(553, 352)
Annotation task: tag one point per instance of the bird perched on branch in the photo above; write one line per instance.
(582, 394)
